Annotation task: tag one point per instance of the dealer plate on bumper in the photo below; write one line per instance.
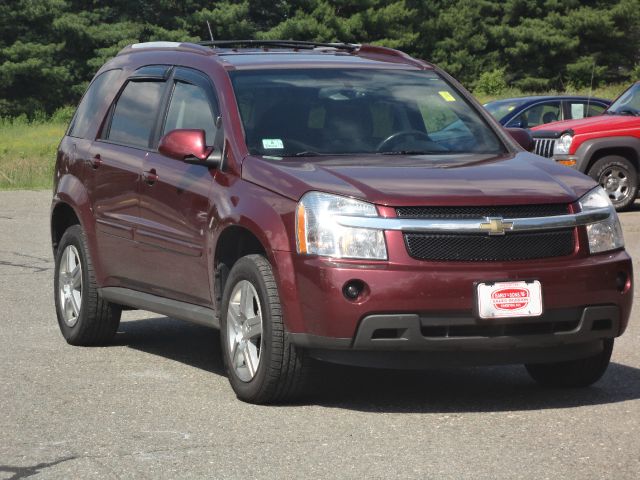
(509, 299)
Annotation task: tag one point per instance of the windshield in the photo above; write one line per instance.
(501, 108)
(628, 103)
(306, 112)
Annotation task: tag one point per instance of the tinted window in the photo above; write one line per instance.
(347, 111)
(135, 114)
(628, 102)
(100, 88)
(538, 115)
(190, 108)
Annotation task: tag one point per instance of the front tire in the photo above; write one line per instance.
(575, 373)
(84, 318)
(262, 365)
(618, 177)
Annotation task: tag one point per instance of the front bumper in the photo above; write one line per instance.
(414, 341)
(311, 288)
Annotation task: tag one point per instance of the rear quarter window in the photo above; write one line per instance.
(103, 86)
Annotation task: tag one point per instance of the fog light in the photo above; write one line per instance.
(352, 289)
(622, 280)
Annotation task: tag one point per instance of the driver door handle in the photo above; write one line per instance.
(150, 176)
(96, 161)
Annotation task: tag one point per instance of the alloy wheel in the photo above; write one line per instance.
(244, 330)
(70, 285)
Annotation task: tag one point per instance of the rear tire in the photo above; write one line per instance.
(84, 318)
(262, 365)
(618, 177)
(575, 373)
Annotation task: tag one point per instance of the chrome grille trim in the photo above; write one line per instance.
(474, 225)
(544, 146)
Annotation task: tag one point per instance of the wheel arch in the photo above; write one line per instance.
(234, 242)
(71, 206)
(593, 150)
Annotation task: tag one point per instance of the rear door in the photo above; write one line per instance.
(575, 109)
(174, 197)
(116, 161)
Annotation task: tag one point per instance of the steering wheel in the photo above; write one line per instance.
(404, 133)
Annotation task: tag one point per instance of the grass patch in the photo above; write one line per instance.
(610, 92)
(28, 152)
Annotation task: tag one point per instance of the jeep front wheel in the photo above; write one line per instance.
(618, 177)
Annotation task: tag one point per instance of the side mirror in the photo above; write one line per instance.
(188, 145)
(523, 137)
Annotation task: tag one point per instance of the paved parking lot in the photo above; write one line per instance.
(156, 404)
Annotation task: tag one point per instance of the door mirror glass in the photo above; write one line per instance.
(523, 137)
(185, 144)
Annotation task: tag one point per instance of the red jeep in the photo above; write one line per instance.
(606, 147)
(339, 202)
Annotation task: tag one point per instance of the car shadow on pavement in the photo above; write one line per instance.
(474, 389)
(183, 342)
(445, 390)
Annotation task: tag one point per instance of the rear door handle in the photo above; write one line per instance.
(96, 161)
(150, 177)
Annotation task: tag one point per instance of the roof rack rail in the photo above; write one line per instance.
(281, 43)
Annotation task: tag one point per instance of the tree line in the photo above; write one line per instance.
(50, 49)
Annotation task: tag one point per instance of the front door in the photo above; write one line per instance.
(174, 199)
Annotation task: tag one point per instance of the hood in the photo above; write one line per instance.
(600, 123)
(422, 180)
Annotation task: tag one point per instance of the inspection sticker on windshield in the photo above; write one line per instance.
(447, 96)
(509, 299)
(272, 143)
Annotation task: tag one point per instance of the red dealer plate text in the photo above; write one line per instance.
(509, 299)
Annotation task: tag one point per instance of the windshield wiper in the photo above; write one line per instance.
(624, 111)
(412, 152)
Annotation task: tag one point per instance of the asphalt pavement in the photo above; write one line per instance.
(156, 403)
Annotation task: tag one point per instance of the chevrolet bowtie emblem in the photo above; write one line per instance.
(496, 226)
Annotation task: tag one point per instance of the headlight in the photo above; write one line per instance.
(605, 235)
(563, 144)
(317, 233)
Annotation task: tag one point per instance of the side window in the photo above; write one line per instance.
(135, 113)
(538, 115)
(99, 89)
(580, 110)
(190, 108)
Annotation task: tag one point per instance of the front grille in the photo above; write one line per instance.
(468, 212)
(485, 248)
(544, 146)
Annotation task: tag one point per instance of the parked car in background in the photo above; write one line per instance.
(338, 202)
(606, 147)
(529, 112)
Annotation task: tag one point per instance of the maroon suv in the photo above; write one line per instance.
(339, 202)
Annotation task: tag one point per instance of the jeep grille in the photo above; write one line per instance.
(544, 146)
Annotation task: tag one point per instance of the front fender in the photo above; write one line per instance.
(589, 148)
